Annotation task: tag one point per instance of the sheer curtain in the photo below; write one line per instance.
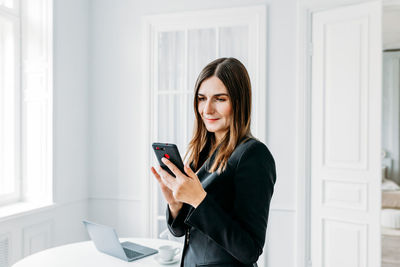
(181, 56)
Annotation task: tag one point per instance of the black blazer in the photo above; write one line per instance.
(228, 228)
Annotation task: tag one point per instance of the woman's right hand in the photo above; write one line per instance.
(174, 204)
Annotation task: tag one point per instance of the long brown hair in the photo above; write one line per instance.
(234, 76)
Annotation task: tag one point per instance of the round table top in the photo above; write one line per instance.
(85, 254)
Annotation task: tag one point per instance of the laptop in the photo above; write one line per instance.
(106, 240)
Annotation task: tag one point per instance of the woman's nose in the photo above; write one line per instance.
(208, 108)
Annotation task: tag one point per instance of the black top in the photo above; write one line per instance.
(228, 228)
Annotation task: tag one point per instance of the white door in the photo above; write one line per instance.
(346, 136)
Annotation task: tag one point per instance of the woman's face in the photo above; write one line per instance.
(214, 106)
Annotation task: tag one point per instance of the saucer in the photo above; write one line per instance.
(161, 261)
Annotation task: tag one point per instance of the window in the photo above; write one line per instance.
(178, 47)
(9, 102)
(25, 100)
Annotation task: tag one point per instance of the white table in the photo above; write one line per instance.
(86, 254)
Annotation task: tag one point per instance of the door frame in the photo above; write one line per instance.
(305, 9)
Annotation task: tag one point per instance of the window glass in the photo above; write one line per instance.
(171, 53)
(202, 50)
(237, 35)
(7, 106)
(7, 3)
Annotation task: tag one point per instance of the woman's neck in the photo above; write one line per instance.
(218, 136)
(215, 144)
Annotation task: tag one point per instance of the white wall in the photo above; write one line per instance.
(117, 126)
(61, 223)
(71, 99)
(71, 83)
(391, 29)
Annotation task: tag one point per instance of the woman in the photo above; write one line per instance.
(221, 202)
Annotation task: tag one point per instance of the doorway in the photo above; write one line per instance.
(390, 214)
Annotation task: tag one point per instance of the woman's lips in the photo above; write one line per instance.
(211, 120)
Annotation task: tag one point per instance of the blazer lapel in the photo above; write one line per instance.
(208, 179)
(205, 177)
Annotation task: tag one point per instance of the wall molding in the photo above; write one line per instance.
(37, 237)
(282, 209)
(115, 199)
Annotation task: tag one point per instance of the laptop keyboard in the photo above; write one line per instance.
(131, 253)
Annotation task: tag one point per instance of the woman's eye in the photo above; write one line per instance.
(221, 99)
(201, 98)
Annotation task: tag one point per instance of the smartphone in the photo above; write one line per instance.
(171, 152)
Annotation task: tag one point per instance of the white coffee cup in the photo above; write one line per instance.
(167, 253)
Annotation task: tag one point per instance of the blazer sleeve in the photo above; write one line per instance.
(241, 232)
(176, 226)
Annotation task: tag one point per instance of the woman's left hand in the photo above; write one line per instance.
(187, 189)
